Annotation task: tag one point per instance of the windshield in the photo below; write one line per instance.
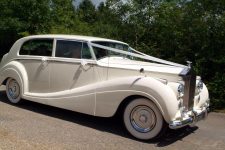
(101, 53)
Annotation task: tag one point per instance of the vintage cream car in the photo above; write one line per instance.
(101, 77)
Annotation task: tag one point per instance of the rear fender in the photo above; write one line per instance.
(17, 71)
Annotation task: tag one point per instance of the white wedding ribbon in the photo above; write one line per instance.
(139, 55)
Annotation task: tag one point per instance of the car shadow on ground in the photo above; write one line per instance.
(112, 125)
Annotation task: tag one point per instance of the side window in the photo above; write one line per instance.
(72, 49)
(37, 47)
(100, 53)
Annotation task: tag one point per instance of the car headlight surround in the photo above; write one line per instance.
(200, 85)
(180, 89)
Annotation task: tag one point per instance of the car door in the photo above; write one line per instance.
(72, 76)
(34, 55)
(72, 66)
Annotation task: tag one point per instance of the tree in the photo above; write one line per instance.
(63, 16)
(175, 30)
(20, 18)
(87, 12)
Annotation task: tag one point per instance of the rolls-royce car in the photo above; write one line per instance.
(104, 77)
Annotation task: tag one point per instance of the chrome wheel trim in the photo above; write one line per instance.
(143, 119)
(13, 89)
(147, 108)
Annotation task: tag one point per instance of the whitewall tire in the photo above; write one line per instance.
(143, 119)
(13, 91)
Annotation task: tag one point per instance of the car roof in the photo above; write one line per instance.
(74, 37)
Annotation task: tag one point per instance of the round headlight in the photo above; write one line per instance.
(200, 85)
(180, 89)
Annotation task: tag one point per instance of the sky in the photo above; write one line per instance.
(95, 2)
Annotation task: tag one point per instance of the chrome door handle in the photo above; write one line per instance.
(44, 62)
(83, 63)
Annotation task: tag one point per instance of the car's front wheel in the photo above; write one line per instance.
(143, 119)
(13, 91)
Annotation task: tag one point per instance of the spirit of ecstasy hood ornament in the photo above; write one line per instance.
(189, 64)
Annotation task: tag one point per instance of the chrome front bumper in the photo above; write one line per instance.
(195, 116)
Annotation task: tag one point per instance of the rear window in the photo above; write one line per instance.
(37, 47)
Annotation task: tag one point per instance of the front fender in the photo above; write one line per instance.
(17, 71)
(110, 94)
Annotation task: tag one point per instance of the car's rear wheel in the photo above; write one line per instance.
(143, 119)
(13, 91)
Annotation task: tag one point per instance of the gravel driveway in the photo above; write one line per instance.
(35, 126)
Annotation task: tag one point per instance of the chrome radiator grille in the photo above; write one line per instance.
(189, 78)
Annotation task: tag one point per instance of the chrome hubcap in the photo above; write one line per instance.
(13, 89)
(143, 119)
